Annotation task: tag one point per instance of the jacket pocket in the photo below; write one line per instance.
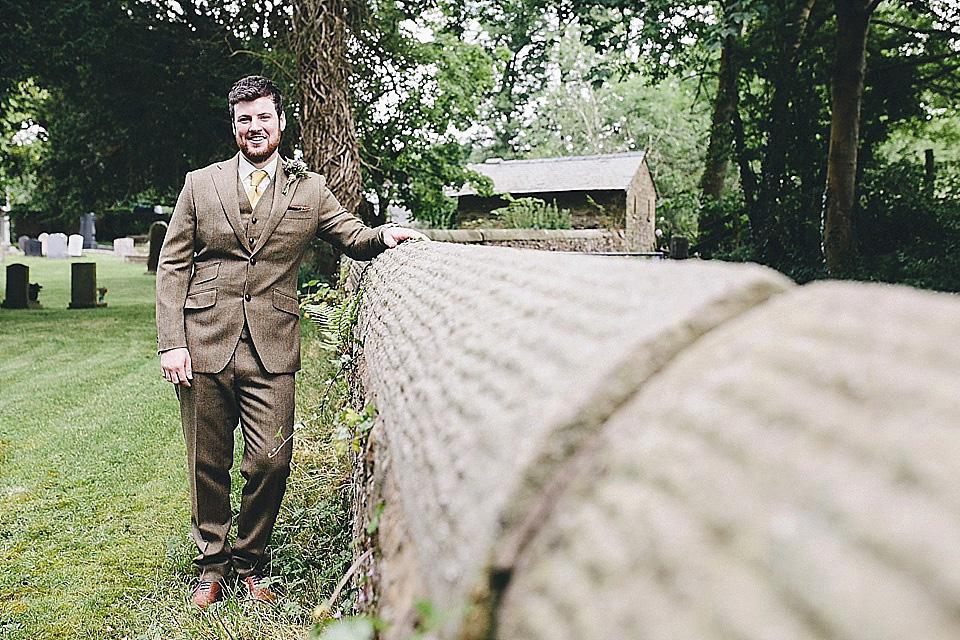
(286, 303)
(201, 299)
(205, 273)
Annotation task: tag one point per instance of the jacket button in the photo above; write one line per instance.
(251, 241)
(247, 297)
(253, 221)
(253, 261)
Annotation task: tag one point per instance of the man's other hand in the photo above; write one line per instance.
(392, 236)
(176, 366)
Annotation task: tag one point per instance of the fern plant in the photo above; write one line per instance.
(333, 312)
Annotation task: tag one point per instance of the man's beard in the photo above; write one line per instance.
(261, 154)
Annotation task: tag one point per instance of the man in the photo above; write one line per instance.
(228, 327)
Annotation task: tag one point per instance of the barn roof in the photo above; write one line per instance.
(608, 172)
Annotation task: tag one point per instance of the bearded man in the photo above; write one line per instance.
(228, 327)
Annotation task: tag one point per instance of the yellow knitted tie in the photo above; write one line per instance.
(255, 190)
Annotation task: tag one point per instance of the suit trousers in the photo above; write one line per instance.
(210, 409)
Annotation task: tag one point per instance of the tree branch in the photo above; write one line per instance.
(916, 61)
(259, 54)
(905, 27)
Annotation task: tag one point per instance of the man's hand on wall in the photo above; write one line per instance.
(392, 236)
(176, 365)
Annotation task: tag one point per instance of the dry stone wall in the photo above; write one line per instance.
(582, 240)
(574, 446)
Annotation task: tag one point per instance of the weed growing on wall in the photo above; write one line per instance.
(532, 213)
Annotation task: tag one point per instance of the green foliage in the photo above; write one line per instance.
(133, 100)
(352, 428)
(414, 87)
(22, 139)
(352, 628)
(518, 36)
(532, 213)
(909, 227)
(589, 113)
(334, 313)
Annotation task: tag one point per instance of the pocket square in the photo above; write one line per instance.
(299, 207)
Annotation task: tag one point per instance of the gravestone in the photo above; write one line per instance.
(123, 247)
(57, 246)
(158, 230)
(679, 248)
(88, 229)
(18, 288)
(83, 286)
(75, 245)
(22, 243)
(43, 242)
(32, 247)
(4, 232)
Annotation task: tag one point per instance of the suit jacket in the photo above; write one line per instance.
(211, 278)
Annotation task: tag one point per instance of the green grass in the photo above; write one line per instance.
(94, 503)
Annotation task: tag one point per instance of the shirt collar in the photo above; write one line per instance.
(245, 168)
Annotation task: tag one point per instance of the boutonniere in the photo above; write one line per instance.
(295, 169)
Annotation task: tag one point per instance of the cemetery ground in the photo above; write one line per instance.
(94, 502)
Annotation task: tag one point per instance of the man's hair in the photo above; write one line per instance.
(253, 87)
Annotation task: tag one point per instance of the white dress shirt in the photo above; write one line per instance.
(245, 169)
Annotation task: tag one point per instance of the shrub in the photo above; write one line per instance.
(532, 213)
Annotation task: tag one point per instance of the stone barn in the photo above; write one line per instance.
(603, 191)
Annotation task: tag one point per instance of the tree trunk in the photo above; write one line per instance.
(711, 225)
(763, 215)
(853, 20)
(321, 34)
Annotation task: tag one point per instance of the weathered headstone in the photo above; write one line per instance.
(123, 247)
(22, 243)
(4, 232)
(158, 230)
(32, 247)
(83, 286)
(679, 248)
(43, 242)
(57, 246)
(18, 288)
(88, 229)
(75, 245)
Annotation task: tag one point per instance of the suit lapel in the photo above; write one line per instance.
(280, 203)
(225, 182)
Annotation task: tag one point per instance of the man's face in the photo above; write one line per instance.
(257, 127)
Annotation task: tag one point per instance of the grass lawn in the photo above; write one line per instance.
(94, 503)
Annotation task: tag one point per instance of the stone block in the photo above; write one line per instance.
(123, 247)
(158, 230)
(88, 229)
(83, 286)
(791, 475)
(493, 366)
(75, 245)
(17, 290)
(31, 247)
(56, 246)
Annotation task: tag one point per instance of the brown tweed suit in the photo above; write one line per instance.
(227, 291)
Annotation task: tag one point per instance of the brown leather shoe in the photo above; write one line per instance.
(205, 594)
(259, 590)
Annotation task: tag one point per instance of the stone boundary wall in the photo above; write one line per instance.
(569, 446)
(582, 240)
